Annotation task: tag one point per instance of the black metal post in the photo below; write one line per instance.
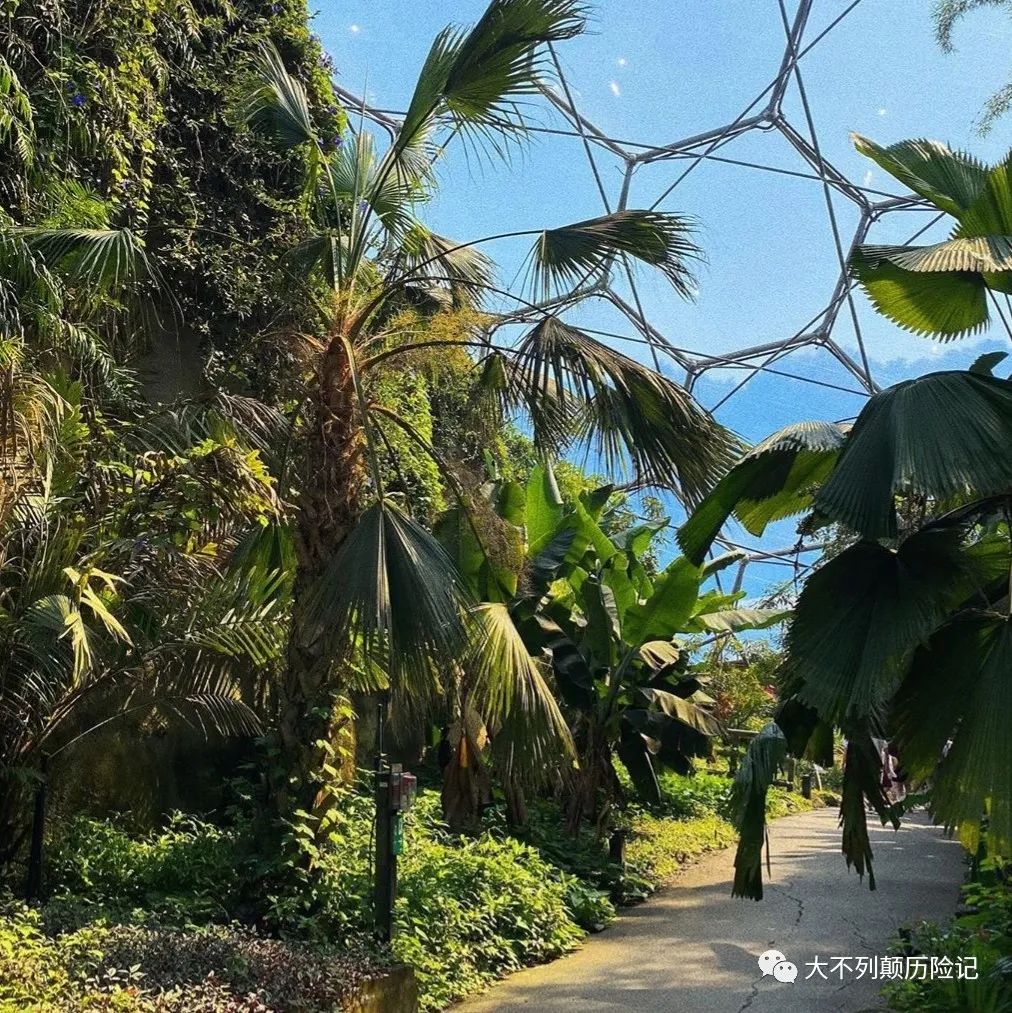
(33, 886)
(385, 869)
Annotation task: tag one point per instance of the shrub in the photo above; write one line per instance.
(131, 967)
(690, 797)
(984, 932)
(468, 910)
(184, 873)
(470, 913)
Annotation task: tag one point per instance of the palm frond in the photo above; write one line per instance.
(862, 787)
(356, 176)
(629, 412)
(475, 78)
(758, 768)
(775, 479)
(109, 259)
(951, 180)
(943, 304)
(465, 271)
(566, 257)
(958, 691)
(393, 590)
(275, 102)
(861, 615)
(942, 435)
(530, 737)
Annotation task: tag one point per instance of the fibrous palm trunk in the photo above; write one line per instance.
(329, 505)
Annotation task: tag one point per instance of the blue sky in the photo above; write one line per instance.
(653, 71)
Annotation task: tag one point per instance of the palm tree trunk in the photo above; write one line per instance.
(329, 506)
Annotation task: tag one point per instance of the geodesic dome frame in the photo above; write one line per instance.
(764, 113)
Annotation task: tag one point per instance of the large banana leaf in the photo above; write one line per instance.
(668, 609)
(943, 435)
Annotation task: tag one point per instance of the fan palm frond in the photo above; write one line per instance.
(107, 258)
(630, 412)
(951, 180)
(775, 479)
(942, 435)
(565, 257)
(530, 737)
(758, 768)
(475, 78)
(861, 615)
(465, 271)
(957, 691)
(276, 101)
(942, 289)
(393, 590)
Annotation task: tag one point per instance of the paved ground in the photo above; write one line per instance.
(694, 949)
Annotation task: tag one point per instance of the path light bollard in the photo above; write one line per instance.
(395, 794)
(806, 785)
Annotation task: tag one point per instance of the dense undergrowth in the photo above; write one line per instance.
(982, 932)
(165, 921)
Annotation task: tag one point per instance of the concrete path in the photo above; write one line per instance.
(693, 949)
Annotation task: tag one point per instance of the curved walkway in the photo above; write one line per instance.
(693, 948)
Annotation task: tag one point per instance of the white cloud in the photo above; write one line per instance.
(615, 89)
(621, 61)
(354, 29)
(869, 177)
(883, 111)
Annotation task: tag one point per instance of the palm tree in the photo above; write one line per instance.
(106, 608)
(902, 634)
(370, 580)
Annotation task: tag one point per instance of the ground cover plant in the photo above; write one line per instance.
(165, 917)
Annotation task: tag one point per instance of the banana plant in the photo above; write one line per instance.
(903, 634)
(609, 631)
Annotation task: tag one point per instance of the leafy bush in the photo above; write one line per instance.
(690, 797)
(217, 968)
(470, 913)
(187, 872)
(468, 910)
(984, 931)
(785, 802)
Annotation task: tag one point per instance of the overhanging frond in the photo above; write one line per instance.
(629, 412)
(565, 257)
(393, 590)
(942, 435)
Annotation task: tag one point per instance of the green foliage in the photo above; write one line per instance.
(690, 797)
(145, 969)
(947, 14)
(468, 910)
(473, 912)
(984, 932)
(190, 871)
(942, 289)
(661, 846)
